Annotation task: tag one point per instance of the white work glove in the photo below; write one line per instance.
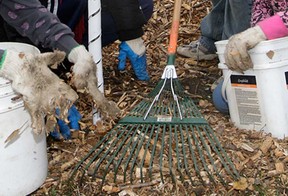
(84, 78)
(42, 90)
(236, 52)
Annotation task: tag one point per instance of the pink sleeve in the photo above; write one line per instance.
(273, 27)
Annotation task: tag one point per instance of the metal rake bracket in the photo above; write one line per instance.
(169, 73)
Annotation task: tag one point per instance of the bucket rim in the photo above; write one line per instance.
(9, 45)
(281, 39)
(264, 66)
(10, 108)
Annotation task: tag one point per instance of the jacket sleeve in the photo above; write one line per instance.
(128, 17)
(34, 21)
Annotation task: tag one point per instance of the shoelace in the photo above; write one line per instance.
(197, 48)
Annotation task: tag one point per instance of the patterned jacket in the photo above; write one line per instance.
(271, 16)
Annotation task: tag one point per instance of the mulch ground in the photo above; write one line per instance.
(260, 159)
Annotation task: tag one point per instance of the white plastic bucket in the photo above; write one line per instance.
(23, 158)
(258, 99)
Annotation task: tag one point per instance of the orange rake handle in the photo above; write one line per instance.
(174, 28)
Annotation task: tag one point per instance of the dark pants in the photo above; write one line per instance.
(109, 30)
(70, 12)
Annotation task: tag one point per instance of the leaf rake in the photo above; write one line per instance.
(164, 136)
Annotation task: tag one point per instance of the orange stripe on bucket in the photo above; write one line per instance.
(244, 85)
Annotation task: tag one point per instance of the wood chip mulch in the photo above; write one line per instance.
(260, 159)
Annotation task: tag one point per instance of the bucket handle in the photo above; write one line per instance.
(225, 83)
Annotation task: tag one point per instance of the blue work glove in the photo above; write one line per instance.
(134, 50)
(73, 117)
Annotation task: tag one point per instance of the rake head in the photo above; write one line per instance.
(171, 140)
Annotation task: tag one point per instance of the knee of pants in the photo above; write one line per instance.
(147, 8)
(219, 102)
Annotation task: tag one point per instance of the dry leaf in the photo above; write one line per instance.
(270, 54)
(247, 147)
(147, 156)
(67, 165)
(186, 6)
(240, 185)
(110, 189)
(256, 156)
(280, 168)
(127, 192)
(14, 134)
(266, 145)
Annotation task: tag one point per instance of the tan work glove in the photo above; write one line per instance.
(84, 78)
(236, 52)
(42, 90)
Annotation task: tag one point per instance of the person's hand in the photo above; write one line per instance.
(134, 50)
(64, 128)
(42, 90)
(84, 78)
(236, 52)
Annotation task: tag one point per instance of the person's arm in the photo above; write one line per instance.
(34, 21)
(275, 26)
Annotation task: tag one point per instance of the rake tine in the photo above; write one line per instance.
(90, 153)
(124, 153)
(114, 155)
(153, 151)
(235, 174)
(161, 153)
(100, 150)
(201, 154)
(145, 152)
(182, 163)
(184, 152)
(136, 154)
(209, 155)
(170, 156)
(193, 155)
(104, 144)
(179, 162)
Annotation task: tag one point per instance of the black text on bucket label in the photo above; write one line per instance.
(286, 77)
(245, 94)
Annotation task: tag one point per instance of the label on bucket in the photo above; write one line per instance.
(286, 78)
(245, 93)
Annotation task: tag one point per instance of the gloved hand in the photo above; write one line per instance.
(63, 128)
(134, 50)
(236, 53)
(42, 90)
(84, 77)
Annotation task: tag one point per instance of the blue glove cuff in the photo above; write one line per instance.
(73, 116)
(138, 62)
